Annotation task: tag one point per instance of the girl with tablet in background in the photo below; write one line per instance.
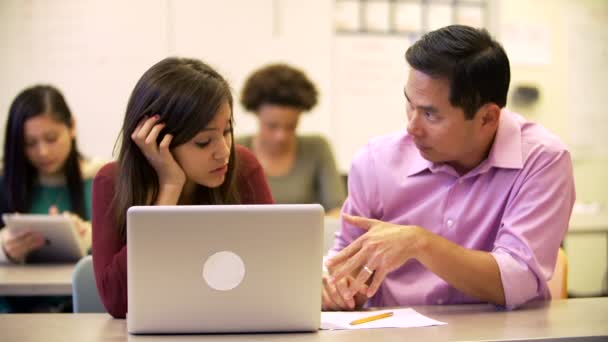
(176, 148)
(43, 173)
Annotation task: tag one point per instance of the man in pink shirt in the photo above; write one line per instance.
(469, 205)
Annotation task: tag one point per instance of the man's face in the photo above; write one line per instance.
(440, 131)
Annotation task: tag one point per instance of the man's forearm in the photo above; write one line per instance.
(475, 273)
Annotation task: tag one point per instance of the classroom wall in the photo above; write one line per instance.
(564, 103)
(71, 44)
(571, 78)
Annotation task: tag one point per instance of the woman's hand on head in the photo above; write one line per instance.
(159, 156)
(18, 245)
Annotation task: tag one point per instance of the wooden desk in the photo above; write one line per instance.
(36, 280)
(584, 318)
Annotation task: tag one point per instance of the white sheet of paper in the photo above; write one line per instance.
(402, 318)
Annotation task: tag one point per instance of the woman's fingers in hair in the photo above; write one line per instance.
(163, 147)
(138, 127)
(151, 138)
(166, 142)
(142, 130)
(146, 134)
(154, 132)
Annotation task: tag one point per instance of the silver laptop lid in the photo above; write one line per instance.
(224, 268)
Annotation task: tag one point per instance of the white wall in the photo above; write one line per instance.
(72, 45)
(95, 51)
(239, 36)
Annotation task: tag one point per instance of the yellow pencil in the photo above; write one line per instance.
(371, 318)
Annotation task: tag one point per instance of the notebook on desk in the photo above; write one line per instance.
(224, 268)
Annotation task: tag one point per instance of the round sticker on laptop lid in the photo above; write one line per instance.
(223, 271)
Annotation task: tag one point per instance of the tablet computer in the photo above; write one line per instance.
(63, 243)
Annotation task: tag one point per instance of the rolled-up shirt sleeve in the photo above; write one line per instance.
(533, 225)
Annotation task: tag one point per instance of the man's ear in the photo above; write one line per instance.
(490, 114)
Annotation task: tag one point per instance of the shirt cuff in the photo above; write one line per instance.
(518, 281)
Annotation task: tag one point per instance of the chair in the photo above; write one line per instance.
(85, 296)
(332, 225)
(558, 284)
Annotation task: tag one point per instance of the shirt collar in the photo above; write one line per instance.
(418, 163)
(506, 151)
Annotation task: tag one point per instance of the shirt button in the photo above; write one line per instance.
(449, 222)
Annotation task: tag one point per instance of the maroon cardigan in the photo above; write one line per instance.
(110, 251)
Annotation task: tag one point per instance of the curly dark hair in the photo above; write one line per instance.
(278, 84)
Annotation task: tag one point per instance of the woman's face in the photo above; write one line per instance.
(204, 158)
(48, 143)
(278, 125)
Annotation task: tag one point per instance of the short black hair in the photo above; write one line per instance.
(279, 84)
(475, 64)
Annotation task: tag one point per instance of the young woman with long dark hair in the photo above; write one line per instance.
(43, 172)
(176, 148)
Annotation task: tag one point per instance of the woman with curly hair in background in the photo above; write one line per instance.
(300, 169)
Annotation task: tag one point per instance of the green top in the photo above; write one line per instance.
(53, 190)
(313, 178)
(46, 196)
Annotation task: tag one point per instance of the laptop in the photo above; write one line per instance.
(224, 268)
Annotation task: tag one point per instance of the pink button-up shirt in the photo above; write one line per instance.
(516, 204)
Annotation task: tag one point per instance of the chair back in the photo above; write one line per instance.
(558, 284)
(85, 296)
(332, 225)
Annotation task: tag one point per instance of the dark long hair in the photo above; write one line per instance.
(19, 174)
(187, 94)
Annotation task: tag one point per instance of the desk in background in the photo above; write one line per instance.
(586, 246)
(589, 223)
(36, 280)
(584, 318)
